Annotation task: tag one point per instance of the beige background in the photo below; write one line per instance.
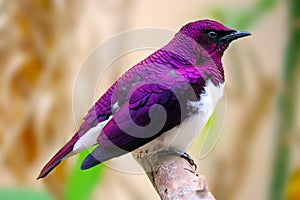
(43, 46)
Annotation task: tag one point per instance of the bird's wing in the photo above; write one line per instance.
(101, 112)
(139, 120)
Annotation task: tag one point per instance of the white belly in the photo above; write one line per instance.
(182, 136)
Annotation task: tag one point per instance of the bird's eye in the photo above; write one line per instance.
(212, 34)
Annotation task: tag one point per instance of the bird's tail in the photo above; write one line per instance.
(64, 152)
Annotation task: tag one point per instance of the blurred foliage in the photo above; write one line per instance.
(293, 191)
(35, 90)
(37, 52)
(244, 18)
(24, 194)
(287, 105)
(81, 184)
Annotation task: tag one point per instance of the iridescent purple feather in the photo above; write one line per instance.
(175, 73)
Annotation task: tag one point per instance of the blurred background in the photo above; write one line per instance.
(44, 43)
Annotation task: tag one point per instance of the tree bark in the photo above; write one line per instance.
(172, 176)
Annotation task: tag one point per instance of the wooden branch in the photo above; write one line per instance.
(173, 177)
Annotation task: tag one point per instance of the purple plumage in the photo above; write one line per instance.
(129, 114)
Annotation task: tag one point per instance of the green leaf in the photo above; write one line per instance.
(246, 17)
(82, 183)
(24, 194)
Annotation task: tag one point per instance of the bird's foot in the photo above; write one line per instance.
(188, 158)
(184, 155)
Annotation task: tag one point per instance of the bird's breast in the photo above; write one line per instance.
(181, 137)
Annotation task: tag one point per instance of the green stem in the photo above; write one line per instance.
(286, 105)
(81, 184)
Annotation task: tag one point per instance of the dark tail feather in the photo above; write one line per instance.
(89, 161)
(100, 155)
(57, 158)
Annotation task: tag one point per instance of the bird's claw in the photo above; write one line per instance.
(188, 158)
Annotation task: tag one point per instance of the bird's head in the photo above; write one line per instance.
(212, 36)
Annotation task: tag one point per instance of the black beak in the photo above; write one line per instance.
(234, 35)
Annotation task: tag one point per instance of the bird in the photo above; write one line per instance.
(176, 86)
